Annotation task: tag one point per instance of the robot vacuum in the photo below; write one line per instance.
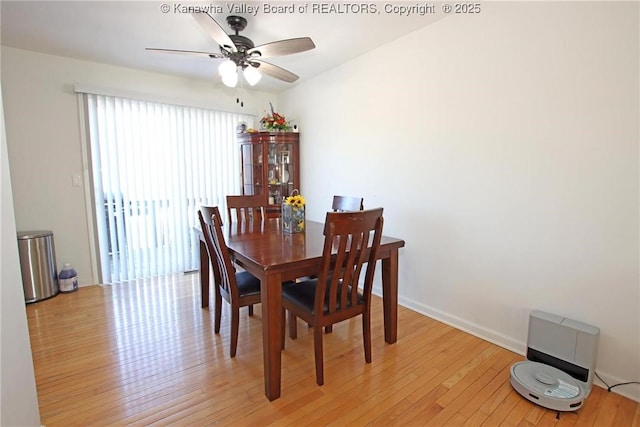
(560, 365)
(547, 386)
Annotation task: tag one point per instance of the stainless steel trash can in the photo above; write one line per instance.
(38, 265)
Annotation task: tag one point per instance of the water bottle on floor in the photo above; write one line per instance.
(68, 279)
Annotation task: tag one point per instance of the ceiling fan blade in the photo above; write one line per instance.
(214, 30)
(276, 72)
(283, 47)
(187, 52)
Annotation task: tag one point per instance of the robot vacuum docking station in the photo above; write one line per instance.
(560, 366)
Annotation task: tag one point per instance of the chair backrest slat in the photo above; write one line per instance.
(247, 208)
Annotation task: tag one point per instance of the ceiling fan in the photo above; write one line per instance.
(242, 55)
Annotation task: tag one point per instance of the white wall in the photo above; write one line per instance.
(504, 149)
(43, 135)
(503, 146)
(18, 397)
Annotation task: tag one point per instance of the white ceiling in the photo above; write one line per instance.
(117, 32)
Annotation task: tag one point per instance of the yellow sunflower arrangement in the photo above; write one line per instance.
(296, 201)
(293, 213)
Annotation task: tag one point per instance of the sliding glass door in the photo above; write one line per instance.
(153, 166)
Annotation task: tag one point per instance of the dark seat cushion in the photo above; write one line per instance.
(303, 295)
(248, 284)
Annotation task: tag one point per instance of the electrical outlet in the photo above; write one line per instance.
(75, 181)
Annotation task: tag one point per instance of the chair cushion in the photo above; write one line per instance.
(248, 284)
(303, 295)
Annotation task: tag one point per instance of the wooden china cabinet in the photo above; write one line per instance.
(270, 166)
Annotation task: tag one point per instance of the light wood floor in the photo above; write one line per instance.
(145, 353)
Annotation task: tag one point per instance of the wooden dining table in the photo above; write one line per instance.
(274, 256)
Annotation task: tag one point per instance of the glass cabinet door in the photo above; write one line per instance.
(252, 175)
(280, 172)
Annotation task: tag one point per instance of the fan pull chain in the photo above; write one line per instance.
(239, 99)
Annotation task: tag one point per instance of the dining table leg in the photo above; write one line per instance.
(204, 275)
(390, 296)
(271, 300)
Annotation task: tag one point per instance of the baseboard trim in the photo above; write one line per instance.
(474, 329)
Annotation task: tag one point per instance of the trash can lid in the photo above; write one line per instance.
(33, 234)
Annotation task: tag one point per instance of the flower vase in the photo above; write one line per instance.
(292, 218)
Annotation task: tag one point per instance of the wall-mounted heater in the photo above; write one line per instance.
(561, 362)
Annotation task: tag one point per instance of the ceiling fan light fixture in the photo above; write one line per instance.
(252, 75)
(228, 72)
(227, 68)
(230, 80)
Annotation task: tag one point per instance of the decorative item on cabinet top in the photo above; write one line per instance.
(241, 128)
(275, 121)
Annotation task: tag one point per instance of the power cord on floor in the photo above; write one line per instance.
(609, 387)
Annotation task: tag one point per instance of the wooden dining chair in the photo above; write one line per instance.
(344, 204)
(347, 203)
(239, 289)
(247, 208)
(351, 240)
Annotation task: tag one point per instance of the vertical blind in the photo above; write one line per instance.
(153, 166)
